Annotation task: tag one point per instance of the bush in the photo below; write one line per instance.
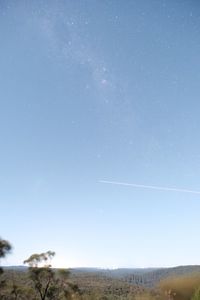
(181, 288)
(196, 295)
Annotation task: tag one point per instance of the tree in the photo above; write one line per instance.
(5, 248)
(49, 283)
(42, 276)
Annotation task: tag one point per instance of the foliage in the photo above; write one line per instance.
(49, 283)
(180, 288)
(41, 281)
(43, 276)
(35, 259)
(196, 295)
(5, 248)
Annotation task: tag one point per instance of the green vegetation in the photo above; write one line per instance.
(196, 295)
(39, 281)
(181, 287)
(5, 248)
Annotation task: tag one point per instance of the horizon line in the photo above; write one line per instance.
(109, 268)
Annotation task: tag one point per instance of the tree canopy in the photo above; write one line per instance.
(5, 248)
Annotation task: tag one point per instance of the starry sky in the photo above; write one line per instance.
(94, 91)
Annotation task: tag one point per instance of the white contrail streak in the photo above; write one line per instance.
(152, 187)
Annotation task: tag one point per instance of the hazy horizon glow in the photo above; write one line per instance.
(100, 90)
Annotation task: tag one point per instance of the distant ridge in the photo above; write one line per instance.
(147, 277)
(15, 268)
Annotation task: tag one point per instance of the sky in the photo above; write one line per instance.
(92, 94)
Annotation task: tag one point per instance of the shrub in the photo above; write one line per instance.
(196, 295)
(180, 288)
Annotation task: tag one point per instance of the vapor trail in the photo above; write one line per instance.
(151, 187)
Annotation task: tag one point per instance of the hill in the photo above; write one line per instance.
(147, 277)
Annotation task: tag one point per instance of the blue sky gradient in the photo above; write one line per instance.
(100, 90)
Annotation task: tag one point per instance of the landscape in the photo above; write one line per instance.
(40, 281)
